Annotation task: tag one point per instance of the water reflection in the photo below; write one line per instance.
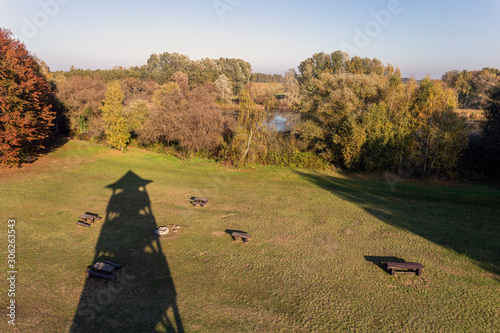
(281, 121)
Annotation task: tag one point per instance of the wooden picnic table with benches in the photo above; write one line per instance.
(106, 266)
(103, 269)
(405, 266)
(89, 217)
(199, 201)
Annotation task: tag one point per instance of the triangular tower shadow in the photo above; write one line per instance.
(142, 298)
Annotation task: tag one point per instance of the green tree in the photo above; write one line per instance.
(116, 128)
(336, 106)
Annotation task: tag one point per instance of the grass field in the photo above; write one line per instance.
(313, 263)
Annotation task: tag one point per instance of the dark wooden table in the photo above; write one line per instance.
(405, 266)
(89, 217)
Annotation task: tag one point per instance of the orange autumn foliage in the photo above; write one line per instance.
(25, 112)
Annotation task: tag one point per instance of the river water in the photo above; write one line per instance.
(281, 121)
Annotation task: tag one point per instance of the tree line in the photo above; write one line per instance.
(356, 113)
(161, 67)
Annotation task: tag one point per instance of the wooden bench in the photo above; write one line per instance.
(200, 201)
(90, 217)
(392, 267)
(108, 277)
(83, 224)
(243, 235)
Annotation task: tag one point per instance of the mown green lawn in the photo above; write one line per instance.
(313, 263)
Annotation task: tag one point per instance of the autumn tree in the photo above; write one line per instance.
(440, 134)
(182, 80)
(135, 89)
(25, 112)
(163, 96)
(192, 122)
(112, 109)
(81, 98)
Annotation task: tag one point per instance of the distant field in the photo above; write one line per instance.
(472, 114)
(474, 118)
(313, 263)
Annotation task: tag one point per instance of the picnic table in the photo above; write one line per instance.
(103, 269)
(238, 234)
(394, 267)
(89, 217)
(106, 266)
(200, 201)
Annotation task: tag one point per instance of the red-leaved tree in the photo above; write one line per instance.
(25, 112)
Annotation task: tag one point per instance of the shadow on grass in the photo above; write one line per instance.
(464, 219)
(50, 145)
(55, 143)
(142, 298)
(380, 261)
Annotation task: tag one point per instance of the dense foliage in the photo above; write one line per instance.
(491, 133)
(356, 113)
(473, 86)
(187, 118)
(25, 102)
(161, 68)
(361, 115)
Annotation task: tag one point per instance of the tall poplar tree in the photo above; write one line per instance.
(116, 127)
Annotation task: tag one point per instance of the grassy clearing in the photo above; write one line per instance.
(475, 118)
(472, 114)
(312, 264)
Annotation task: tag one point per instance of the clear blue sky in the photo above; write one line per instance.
(420, 36)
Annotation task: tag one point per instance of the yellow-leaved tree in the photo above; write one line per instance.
(440, 134)
(116, 128)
